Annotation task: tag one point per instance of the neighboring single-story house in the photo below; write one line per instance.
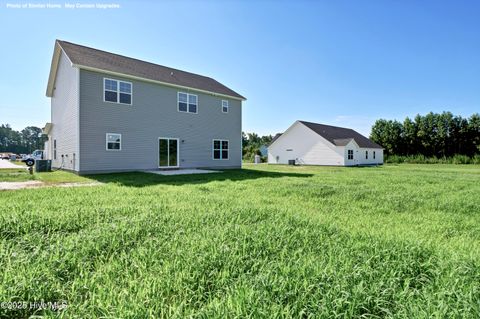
(307, 143)
(112, 113)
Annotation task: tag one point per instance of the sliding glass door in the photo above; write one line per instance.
(167, 152)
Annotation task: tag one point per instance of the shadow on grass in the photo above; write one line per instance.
(141, 179)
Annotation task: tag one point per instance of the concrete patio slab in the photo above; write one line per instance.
(181, 172)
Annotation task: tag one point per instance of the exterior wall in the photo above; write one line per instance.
(309, 148)
(46, 150)
(359, 155)
(64, 116)
(371, 161)
(356, 155)
(153, 114)
(304, 146)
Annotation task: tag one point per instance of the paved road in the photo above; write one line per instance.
(8, 164)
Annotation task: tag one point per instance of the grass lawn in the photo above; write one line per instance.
(56, 177)
(397, 241)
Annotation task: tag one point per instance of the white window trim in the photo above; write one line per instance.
(348, 155)
(227, 106)
(188, 102)
(106, 142)
(118, 91)
(220, 149)
(178, 152)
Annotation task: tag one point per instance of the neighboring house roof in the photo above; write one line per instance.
(340, 136)
(342, 141)
(275, 138)
(89, 58)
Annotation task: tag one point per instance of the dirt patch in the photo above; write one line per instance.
(36, 184)
(19, 185)
(76, 184)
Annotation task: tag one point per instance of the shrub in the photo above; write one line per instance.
(421, 159)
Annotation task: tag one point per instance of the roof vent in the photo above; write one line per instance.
(171, 73)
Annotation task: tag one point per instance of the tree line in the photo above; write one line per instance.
(433, 134)
(252, 142)
(21, 142)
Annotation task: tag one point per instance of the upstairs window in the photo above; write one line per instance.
(117, 91)
(114, 142)
(187, 103)
(350, 154)
(224, 106)
(220, 149)
(366, 154)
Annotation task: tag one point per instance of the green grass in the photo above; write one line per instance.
(400, 241)
(56, 177)
(15, 175)
(421, 159)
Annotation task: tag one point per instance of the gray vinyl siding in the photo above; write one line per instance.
(64, 116)
(153, 114)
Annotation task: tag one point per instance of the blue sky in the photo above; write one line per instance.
(344, 63)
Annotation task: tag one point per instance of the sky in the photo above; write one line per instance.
(343, 63)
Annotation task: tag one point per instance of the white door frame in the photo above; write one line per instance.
(168, 152)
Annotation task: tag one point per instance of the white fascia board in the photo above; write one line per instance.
(53, 70)
(288, 129)
(354, 142)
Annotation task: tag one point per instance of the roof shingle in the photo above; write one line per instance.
(340, 136)
(93, 58)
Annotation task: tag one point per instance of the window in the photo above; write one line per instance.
(366, 154)
(117, 91)
(125, 93)
(350, 154)
(187, 102)
(224, 106)
(220, 149)
(373, 154)
(54, 149)
(114, 142)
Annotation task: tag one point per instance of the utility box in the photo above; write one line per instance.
(43, 166)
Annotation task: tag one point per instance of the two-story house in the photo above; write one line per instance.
(114, 113)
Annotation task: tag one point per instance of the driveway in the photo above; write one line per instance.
(8, 164)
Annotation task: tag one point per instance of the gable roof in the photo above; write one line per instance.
(275, 138)
(340, 136)
(90, 58)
